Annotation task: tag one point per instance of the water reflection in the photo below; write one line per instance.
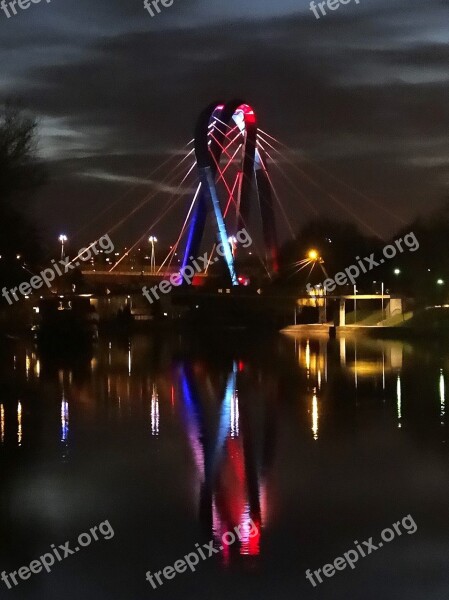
(442, 388)
(399, 400)
(19, 424)
(220, 422)
(365, 368)
(2, 423)
(227, 472)
(154, 411)
(315, 416)
(119, 374)
(64, 420)
(366, 359)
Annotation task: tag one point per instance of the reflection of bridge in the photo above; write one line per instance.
(227, 470)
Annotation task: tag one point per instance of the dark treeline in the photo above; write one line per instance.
(421, 270)
(20, 175)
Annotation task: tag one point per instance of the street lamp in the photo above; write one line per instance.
(313, 256)
(62, 238)
(440, 282)
(397, 271)
(153, 240)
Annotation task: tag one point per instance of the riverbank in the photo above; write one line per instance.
(426, 323)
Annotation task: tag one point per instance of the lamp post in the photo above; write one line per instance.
(62, 238)
(153, 240)
(313, 256)
(382, 291)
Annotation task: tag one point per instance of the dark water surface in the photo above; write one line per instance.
(176, 440)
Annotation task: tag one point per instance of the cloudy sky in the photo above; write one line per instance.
(363, 92)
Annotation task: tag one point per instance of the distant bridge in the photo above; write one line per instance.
(133, 277)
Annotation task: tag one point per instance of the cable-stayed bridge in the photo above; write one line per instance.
(230, 177)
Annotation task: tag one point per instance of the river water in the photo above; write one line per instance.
(305, 444)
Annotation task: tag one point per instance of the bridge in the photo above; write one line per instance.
(222, 186)
(134, 277)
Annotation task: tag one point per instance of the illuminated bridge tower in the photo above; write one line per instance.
(232, 168)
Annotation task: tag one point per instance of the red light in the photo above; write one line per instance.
(254, 541)
(198, 281)
(250, 116)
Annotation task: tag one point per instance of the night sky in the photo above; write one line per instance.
(363, 92)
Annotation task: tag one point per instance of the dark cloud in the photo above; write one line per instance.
(363, 92)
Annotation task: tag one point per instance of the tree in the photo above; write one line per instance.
(337, 242)
(20, 171)
(20, 174)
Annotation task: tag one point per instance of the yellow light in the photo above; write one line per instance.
(313, 255)
(154, 411)
(315, 416)
(19, 424)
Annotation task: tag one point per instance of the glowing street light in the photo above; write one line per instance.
(62, 238)
(313, 256)
(440, 282)
(397, 271)
(153, 240)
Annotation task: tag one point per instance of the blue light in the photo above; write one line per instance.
(206, 173)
